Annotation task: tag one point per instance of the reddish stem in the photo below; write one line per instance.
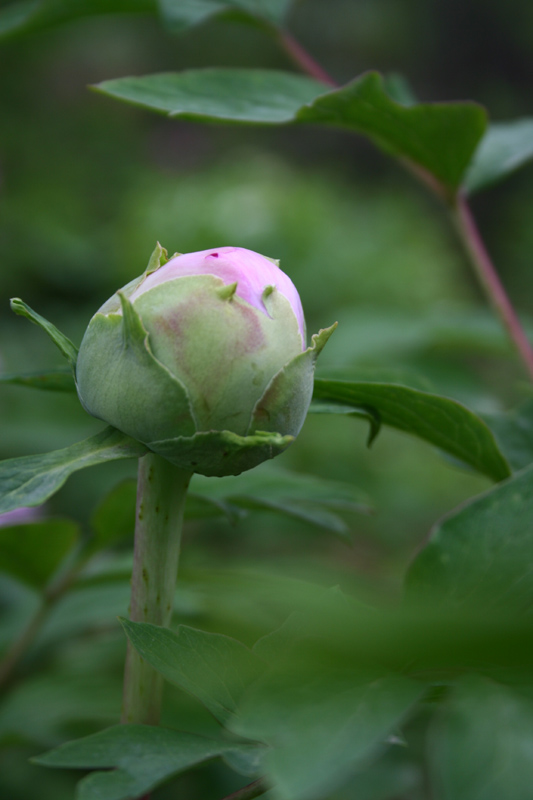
(303, 59)
(490, 281)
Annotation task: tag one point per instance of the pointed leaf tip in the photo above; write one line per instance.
(62, 342)
(227, 291)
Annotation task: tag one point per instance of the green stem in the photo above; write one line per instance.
(161, 493)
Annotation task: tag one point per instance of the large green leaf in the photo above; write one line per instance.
(506, 147)
(33, 15)
(481, 746)
(143, 757)
(322, 725)
(31, 480)
(182, 14)
(32, 553)
(438, 420)
(480, 555)
(214, 668)
(438, 137)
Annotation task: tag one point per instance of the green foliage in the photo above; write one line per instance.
(481, 743)
(53, 381)
(65, 346)
(31, 480)
(32, 553)
(143, 757)
(438, 420)
(179, 15)
(476, 556)
(439, 138)
(506, 147)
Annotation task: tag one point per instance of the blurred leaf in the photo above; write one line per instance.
(395, 774)
(444, 423)
(481, 745)
(440, 137)
(230, 95)
(479, 556)
(506, 147)
(54, 380)
(143, 756)
(31, 480)
(297, 495)
(513, 431)
(40, 708)
(181, 14)
(214, 668)
(322, 725)
(32, 553)
(33, 15)
(64, 345)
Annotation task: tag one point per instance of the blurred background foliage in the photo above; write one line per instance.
(87, 186)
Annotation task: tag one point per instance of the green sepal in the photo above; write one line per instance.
(220, 453)
(67, 348)
(285, 402)
(158, 258)
(121, 381)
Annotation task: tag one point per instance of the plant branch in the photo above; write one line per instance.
(490, 281)
(302, 58)
(161, 492)
(249, 792)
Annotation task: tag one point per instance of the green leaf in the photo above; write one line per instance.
(440, 421)
(322, 727)
(143, 757)
(513, 431)
(214, 668)
(479, 556)
(481, 745)
(53, 380)
(229, 95)
(440, 138)
(33, 15)
(67, 349)
(32, 553)
(506, 147)
(182, 14)
(31, 480)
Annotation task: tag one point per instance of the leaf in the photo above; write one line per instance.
(54, 380)
(143, 757)
(214, 668)
(506, 147)
(230, 95)
(31, 480)
(65, 346)
(481, 744)
(322, 726)
(28, 16)
(513, 431)
(32, 553)
(441, 138)
(182, 14)
(297, 495)
(438, 420)
(479, 556)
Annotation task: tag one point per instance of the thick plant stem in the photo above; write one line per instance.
(490, 281)
(161, 493)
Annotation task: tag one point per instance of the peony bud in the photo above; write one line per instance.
(202, 358)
